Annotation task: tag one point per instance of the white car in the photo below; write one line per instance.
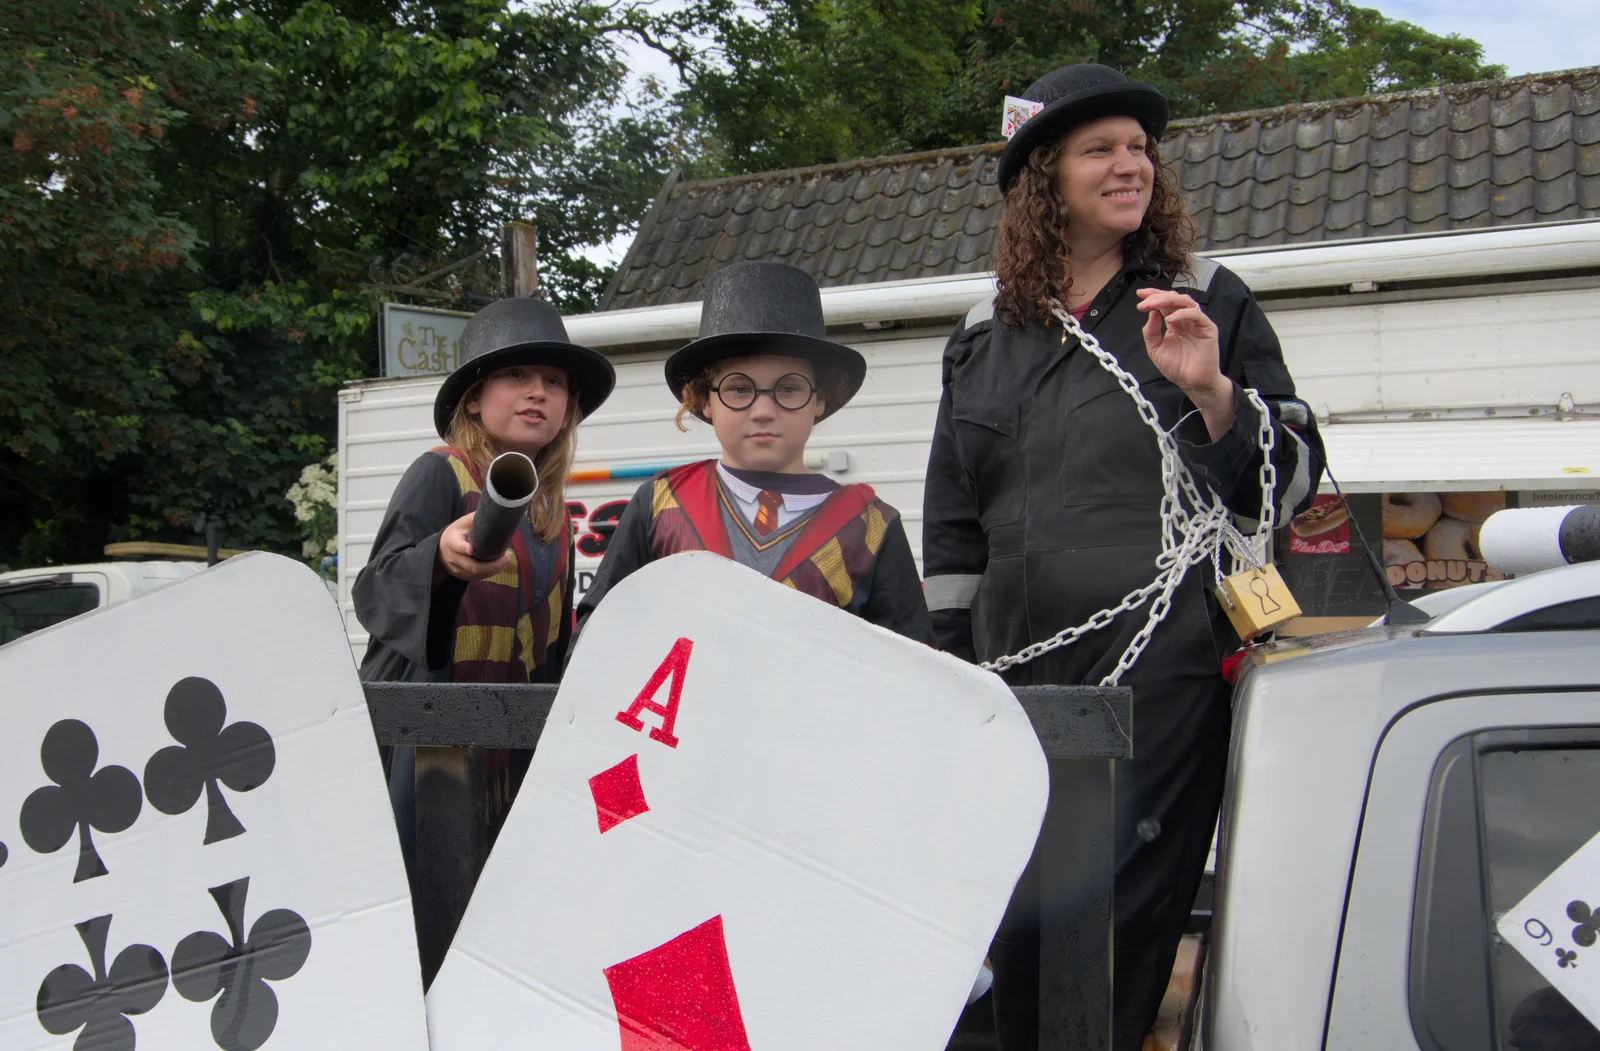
(31, 599)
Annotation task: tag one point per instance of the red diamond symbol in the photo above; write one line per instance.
(679, 996)
(618, 795)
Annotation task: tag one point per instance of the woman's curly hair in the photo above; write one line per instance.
(1032, 260)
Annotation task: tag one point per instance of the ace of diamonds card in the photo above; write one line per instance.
(196, 849)
(752, 821)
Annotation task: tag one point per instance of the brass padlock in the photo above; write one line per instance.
(1256, 601)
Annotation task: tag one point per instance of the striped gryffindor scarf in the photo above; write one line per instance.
(504, 630)
(827, 560)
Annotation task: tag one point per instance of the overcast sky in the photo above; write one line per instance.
(1528, 36)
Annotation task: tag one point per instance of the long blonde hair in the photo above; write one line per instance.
(468, 436)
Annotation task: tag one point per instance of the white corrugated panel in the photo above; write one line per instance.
(1464, 455)
(1513, 350)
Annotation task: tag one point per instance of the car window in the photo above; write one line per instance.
(29, 608)
(1539, 805)
(1506, 808)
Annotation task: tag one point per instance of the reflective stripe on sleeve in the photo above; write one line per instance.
(953, 591)
(1300, 484)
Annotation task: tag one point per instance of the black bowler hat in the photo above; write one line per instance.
(521, 332)
(751, 309)
(1074, 95)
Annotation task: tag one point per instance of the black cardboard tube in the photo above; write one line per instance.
(508, 488)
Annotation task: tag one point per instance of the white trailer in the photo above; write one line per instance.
(1445, 362)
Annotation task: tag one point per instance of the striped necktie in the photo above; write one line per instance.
(767, 511)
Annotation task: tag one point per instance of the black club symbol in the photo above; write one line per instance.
(99, 1003)
(239, 756)
(1566, 958)
(1588, 923)
(81, 798)
(4, 854)
(205, 964)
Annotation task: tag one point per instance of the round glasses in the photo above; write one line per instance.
(738, 391)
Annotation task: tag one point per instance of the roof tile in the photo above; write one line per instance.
(1201, 173)
(1513, 168)
(1347, 155)
(1304, 219)
(1552, 101)
(1235, 171)
(1429, 205)
(1464, 144)
(1469, 202)
(1557, 194)
(1548, 134)
(1425, 148)
(1510, 107)
(1345, 185)
(1556, 162)
(1429, 113)
(1267, 194)
(1520, 150)
(1513, 137)
(1470, 112)
(1307, 189)
(1513, 199)
(1390, 119)
(1352, 124)
(1276, 136)
(1240, 140)
(1471, 171)
(1201, 143)
(1230, 198)
(1424, 178)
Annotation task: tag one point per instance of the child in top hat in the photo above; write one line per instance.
(436, 613)
(763, 374)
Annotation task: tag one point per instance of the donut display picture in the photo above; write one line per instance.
(1430, 540)
(1321, 529)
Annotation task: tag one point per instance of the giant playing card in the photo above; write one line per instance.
(753, 821)
(199, 851)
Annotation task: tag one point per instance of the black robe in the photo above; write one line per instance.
(890, 595)
(409, 609)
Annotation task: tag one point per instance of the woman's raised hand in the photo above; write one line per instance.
(1182, 343)
(455, 554)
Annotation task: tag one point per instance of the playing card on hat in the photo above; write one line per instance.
(752, 821)
(198, 848)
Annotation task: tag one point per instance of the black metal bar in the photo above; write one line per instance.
(1082, 730)
(1073, 722)
(452, 845)
(1077, 869)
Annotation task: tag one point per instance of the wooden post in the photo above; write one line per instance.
(519, 260)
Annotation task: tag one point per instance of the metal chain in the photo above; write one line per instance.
(1194, 527)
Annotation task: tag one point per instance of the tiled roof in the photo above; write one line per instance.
(1494, 153)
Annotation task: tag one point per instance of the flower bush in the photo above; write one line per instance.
(315, 498)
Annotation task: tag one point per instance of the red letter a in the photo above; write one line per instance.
(676, 664)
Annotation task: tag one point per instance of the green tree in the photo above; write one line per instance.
(812, 81)
(192, 199)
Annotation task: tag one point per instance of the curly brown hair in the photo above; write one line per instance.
(696, 393)
(1032, 259)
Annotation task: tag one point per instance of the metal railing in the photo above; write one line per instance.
(1083, 730)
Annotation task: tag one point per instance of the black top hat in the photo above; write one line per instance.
(1074, 95)
(753, 309)
(521, 332)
